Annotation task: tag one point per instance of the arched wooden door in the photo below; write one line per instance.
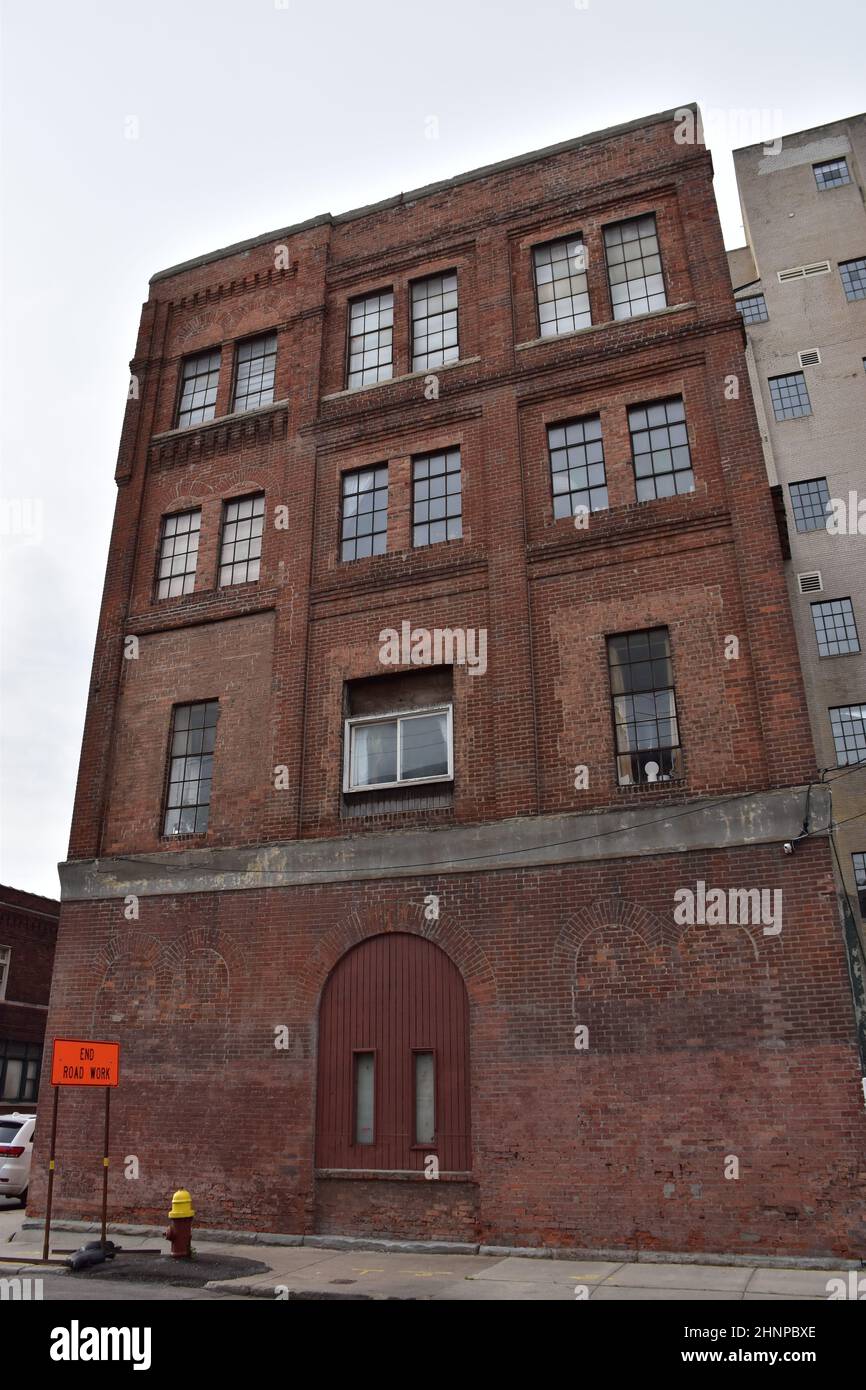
(393, 1077)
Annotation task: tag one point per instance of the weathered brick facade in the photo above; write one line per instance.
(28, 931)
(555, 902)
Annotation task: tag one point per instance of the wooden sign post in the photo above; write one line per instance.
(79, 1062)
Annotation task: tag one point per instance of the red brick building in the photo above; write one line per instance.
(28, 932)
(445, 644)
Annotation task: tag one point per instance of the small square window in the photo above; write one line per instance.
(789, 396)
(832, 173)
(835, 627)
(254, 372)
(810, 501)
(853, 276)
(178, 554)
(198, 388)
(753, 308)
(364, 522)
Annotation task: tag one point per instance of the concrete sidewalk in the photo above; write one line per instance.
(301, 1271)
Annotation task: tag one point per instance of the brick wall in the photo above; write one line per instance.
(707, 1042)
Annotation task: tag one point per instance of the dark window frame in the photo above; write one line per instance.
(782, 395)
(749, 316)
(853, 281)
(826, 185)
(343, 539)
(450, 516)
(165, 834)
(644, 277)
(800, 498)
(573, 494)
(651, 426)
(573, 238)
(845, 761)
(365, 299)
(163, 537)
(233, 563)
(447, 361)
(822, 630)
(28, 1053)
(676, 774)
(196, 357)
(244, 343)
(860, 879)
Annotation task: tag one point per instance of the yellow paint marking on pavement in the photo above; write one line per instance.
(356, 1270)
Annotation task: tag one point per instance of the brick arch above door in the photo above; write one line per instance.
(361, 924)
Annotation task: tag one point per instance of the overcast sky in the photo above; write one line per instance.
(138, 134)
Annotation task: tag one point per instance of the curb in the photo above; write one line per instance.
(445, 1247)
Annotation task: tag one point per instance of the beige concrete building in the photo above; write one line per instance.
(800, 282)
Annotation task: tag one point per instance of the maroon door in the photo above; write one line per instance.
(393, 1081)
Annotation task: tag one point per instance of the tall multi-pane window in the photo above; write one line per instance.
(809, 501)
(860, 880)
(848, 723)
(853, 275)
(5, 958)
(660, 449)
(437, 502)
(364, 525)
(831, 173)
(753, 308)
(634, 267)
(561, 289)
(371, 338)
(255, 364)
(577, 466)
(190, 768)
(434, 321)
(19, 1070)
(790, 396)
(835, 627)
(241, 546)
(644, 707)
(198, 388)
(178, 554)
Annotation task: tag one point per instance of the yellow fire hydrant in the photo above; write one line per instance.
(179, 1232)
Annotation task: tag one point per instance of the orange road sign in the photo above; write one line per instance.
(77, 1062)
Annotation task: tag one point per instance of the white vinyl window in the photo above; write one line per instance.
(391, 750)
(5, 957)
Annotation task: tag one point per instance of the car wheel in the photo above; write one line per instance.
(24, 1197)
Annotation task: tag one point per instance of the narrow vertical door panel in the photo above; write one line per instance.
(388, 1001)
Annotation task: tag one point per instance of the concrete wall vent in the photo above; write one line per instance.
(800, 272)
(811, 582)
(810, 357)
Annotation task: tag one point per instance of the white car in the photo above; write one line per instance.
(16, 1151)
